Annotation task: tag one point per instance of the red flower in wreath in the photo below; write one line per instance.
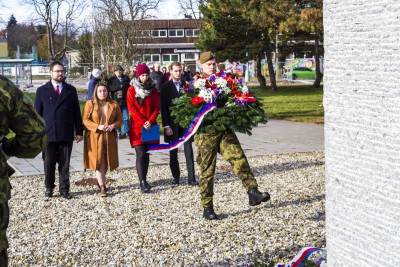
(249, 97)
(197, 100)
(236, 92)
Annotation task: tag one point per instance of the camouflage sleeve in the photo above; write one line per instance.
(29, 128)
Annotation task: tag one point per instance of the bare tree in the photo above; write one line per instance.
(59, 17)
(190, 8)
(121, 29)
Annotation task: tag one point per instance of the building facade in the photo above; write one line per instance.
(172, 40)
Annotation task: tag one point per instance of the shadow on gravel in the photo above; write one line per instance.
(298, 202)
(268, 205)
(274, 168)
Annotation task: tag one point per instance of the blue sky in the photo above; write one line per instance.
(167, 10)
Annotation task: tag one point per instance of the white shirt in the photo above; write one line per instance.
(177, 86)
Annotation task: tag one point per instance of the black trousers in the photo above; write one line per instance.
(174, 164)
(57, 153)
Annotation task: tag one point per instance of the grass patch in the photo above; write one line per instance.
(300, 103)
(32, 96)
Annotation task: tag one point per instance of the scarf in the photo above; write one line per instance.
(143, 90)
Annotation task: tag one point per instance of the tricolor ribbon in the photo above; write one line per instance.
(301, 257)
(193, 127)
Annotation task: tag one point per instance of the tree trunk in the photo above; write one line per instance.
(271, 68)
(318, 78)
(260, 77)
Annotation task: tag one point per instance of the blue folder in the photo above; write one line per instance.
(151, 135)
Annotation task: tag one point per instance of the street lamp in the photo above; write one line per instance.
(276, 54)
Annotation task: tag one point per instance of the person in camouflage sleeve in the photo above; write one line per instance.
(18, 115)
(227, 144)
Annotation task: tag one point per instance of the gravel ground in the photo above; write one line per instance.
(165, 227)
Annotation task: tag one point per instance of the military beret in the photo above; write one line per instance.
(206, 56)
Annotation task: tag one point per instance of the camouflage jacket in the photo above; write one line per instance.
(18, 115)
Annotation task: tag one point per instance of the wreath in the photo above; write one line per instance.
(237, 109)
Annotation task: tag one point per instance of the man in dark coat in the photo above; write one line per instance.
(172, 131)
(157, 76)
(186, 74)
(119, 84)
(96, 78)
(57, 102)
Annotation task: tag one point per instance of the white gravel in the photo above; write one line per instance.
(165, 227)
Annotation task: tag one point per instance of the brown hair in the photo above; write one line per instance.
(55, 63)
(95, 98)
(175, 63)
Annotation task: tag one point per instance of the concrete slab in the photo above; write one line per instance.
(275, 137)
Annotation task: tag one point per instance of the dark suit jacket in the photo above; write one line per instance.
(169, 93)
(115, 86)
(61, 114)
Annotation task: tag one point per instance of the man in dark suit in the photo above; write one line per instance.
(119, 84)
(172, 131)
(57, 102)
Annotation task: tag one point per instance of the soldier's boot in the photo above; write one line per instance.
(3, 258)
(256, 197)
(144, 186)
(209, 213)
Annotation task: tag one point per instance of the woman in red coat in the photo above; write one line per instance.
(143, 105)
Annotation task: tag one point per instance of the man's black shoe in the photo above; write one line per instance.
(145, 187)
(256, 197)
(193, 182)
(48, 193)
(122, 136)
(175, 181)
(66, 195)
(209, 213)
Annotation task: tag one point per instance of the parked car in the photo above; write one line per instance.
(303, 73)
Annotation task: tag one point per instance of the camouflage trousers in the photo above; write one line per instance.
(4, 218)
(5, 188)
(227, 144)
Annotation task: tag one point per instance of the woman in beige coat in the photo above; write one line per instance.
(101, 117)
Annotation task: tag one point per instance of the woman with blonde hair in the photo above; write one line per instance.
(101, 117)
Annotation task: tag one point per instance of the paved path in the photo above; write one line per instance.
(275, 137)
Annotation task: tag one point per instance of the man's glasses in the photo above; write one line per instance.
(58, 71)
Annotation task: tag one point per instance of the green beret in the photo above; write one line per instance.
(206, 56)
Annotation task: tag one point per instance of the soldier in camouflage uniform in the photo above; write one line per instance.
(227, 144)
(16, 114)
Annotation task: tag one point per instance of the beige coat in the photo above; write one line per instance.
(93, 140)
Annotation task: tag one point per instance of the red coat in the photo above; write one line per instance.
(148, 111)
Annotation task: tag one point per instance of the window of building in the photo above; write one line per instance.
(192, 32)
(175, 33)
(159, 33)
(170, 57)
(151, 57)
(190, 56)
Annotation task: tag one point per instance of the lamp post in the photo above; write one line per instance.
(276, 54)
